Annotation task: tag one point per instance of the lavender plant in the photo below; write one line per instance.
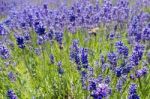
(47, 52)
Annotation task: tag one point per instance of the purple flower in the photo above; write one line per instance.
(101, 91)
(2, 30)
(137, 54)
(60, 69)
(90, 71)
(59, 37)
(146, 33)
(135, 28)
(120, 83)
(106, 11)
(118, 71)
(132, 89)
(59, 64)
(4, 52)
(145, 70)
(133, 92)
(121, 48)
(112, 58)
(75, 53)
(112, 36)
(132, 77)
(11, 94)
(141, 72)
(84, 79)
(84, 58)
(51, 58)
(126, 69)
(51, 34)
(20, 41)
(45, 6)
(72, 18)
(133, 96)
(40, 30)
(104, 66)
(107, 80)
(92, 84)
(27, 36)
(11, 76)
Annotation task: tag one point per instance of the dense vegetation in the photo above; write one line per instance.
(84, 50)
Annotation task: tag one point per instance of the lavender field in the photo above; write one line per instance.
(74, 49)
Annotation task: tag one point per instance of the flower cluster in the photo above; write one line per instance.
(99, 88)
(112, 58)
(137, 54)
(146, 33)
(122, 41)
(11, 94)
(133, 92)
(20, 41)
(121, 48)
(4, 52)
(141, 72)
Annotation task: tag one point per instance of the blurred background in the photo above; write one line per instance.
(7, 5)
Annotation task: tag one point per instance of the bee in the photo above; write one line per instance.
(93, 31)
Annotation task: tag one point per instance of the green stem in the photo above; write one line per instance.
(140, 83)
(26, 65)
(125, 87)
(44, 64)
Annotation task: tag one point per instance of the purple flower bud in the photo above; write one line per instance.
(111, 36)
(51, 35)
(132, 77)
(118, 71)
(132, 89)
(102, 91)
(59, 37)
(121, 48)
(51, 58)
(120, 83)
(133, 92)
(141, 72)
(27, 36)
(11, 94)
(107, 80)
(84, 58)
(4, 52)
(40, 30)
(11, 76)
(146, 34)
(60, 69)
(20, 41)
(59, 64)
(145, 70)
(137, 54)
(92, 84)
(112, 58)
